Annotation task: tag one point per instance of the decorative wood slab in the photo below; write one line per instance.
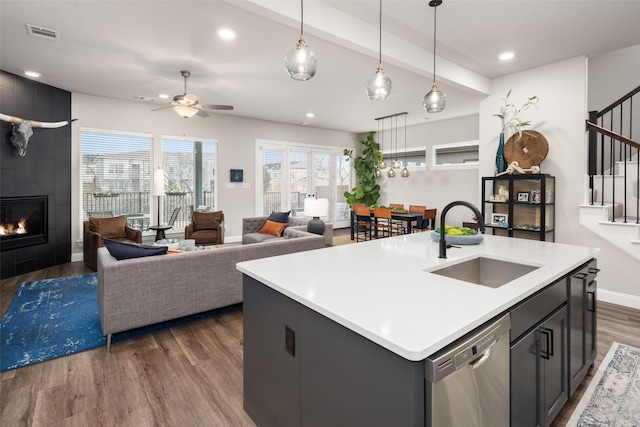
(530, 150)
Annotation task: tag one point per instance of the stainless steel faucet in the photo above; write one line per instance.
(443, 242)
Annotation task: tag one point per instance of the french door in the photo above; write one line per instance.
(292, 172)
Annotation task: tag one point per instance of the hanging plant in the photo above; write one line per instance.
(367, 191)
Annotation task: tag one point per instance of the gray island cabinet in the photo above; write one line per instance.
(331, 339)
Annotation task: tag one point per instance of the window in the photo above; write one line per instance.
(456, 155)
(189, 177)
(115, 174)
(292, 171)
(415, 157)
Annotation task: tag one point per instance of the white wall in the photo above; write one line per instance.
(562, 89)
(436, 188)
(236, 138)
(612, 75)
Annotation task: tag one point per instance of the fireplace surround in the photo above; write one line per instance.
(23, 221)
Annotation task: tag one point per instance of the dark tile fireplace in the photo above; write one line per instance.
(23, 221)
(45, 172)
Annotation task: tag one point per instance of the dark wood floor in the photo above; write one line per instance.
(187, 376)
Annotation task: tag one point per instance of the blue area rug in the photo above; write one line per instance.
(56, 317)
(613, 396)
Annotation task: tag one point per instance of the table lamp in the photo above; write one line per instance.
(316, 208)
(158, 187)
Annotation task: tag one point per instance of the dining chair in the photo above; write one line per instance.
(396, 205)
(420, 224)
(363, 221)
(384, 226)
(429, 217)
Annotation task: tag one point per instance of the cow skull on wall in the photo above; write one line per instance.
(21, 131)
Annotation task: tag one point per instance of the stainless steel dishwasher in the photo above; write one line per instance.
(467, 382)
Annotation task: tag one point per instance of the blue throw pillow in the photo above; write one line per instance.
(281, 217)
(123, 250)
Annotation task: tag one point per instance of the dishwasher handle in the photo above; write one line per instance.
(480, 360)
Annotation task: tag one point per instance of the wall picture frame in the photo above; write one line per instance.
(499, 219)
(236, 175)
(523, 196)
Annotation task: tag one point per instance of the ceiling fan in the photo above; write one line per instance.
(187, 105)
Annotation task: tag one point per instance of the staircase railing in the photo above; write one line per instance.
(611, 143)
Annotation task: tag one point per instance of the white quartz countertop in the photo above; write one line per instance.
(380, 288)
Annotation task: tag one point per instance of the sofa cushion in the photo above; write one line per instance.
(279, 216)
(274, 228)
(206, 220)
(109, 228)
(123, 250)
(249, 238)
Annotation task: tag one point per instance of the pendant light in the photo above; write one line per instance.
(300, 61)
(405, 171)
(379, 84)
(434, 101)
(392, 171)
(396, 163)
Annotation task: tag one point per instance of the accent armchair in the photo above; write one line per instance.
(207, 228)
(97, 229)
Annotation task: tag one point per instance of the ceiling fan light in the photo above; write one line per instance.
(434, 101)
(378, 86)
(300, 62)
(185, 112)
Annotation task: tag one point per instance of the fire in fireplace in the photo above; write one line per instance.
(23, 221)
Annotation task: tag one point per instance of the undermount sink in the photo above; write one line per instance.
(485, 271)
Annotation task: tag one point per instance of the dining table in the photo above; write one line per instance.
(406, 217)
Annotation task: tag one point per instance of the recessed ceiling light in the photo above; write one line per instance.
(227, 34)
(310, 115)
(505, 56)
(34, 74)
(163, 96)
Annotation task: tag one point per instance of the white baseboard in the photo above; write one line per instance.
(626, 300)
(77, 256)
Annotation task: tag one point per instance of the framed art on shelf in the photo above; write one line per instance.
(523, 196)
(535, 196)
(499, 219)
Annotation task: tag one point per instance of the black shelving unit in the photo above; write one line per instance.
(520, 206)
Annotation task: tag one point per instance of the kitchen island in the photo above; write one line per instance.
(381, 295)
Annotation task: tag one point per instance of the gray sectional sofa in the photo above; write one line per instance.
(142, 291)
(251, 227)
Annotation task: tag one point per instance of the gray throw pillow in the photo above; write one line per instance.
(281, 217)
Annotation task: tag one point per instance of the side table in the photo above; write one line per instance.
(160, 230)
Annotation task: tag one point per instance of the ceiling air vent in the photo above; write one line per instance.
(45, 33)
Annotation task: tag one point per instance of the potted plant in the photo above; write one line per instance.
(367, 191)
(509, 115)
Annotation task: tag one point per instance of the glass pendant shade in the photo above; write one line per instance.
(434, 101)
(378, 86)
(383, 164)
(391, 173)
(396, 164)
(405, 172)
(378, 173)
(301, 62)
(185, 112)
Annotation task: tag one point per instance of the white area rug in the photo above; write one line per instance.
(613, 396)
